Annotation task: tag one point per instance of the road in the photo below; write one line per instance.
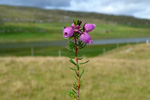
(61, 43)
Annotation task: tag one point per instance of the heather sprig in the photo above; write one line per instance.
(77, 39)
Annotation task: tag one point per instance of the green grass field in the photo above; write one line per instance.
(88, 51)
(25, 24)
(122, 74)
(27, 32)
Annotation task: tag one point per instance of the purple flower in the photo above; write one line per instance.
(89, 27)
(85, 37)
(68, 32)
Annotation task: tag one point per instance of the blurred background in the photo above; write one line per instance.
(33, 62)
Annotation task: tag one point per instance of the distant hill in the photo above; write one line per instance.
(31, 14)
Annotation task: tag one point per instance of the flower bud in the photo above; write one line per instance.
(77, 27)
(89, 27)
(85, 37)
(68, 32)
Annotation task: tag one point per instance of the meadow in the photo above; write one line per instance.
(28, 32)
(55, 51)
(26, 24)
(29, 24)
(122, 74)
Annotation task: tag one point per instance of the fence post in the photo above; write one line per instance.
(117, 45)
(137, 42)
(147, 41)
(104, 51)
(59, 53)
(32, 51)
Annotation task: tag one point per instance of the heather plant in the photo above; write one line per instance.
(77, 39)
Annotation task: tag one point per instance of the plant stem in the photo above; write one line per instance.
(76, 53)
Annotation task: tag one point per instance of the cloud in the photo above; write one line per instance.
(136, 8)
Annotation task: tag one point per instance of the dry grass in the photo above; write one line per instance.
(132, 52)
(116, 76)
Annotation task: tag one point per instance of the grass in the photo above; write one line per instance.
(27, 32)
(37, 15)
(89, 51)
(109, 77)
(26, 24)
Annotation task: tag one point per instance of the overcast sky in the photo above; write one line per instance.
(136, 8)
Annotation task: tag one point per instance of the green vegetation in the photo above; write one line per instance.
(25, 24)
(121, 74)
(115, 76)
(26, 32)
(37, 15)
(89, 51)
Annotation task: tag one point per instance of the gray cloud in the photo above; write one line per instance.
(136, 8)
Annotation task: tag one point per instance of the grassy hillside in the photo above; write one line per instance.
(26, 32)
(29, 14)
(25, 24)
(132, 52)
(115, 76)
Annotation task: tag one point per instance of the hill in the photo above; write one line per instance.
(27, 24)
(30, 14)
(106, 77)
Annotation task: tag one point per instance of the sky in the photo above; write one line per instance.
(136, 8)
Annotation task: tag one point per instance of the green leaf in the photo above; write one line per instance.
(72, 94)
(77, 67)
(70, 37)
(85, 62)
(79, 43)
(70, 49)
(77, 74)
(80, 58)
(74, 91)
(75, 86)
(72, 68)
(82, 73)
(82, 45)
(73, 62)
(76, 78)
(71, 45)
(75, 22)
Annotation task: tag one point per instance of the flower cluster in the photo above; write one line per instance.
(77, 39)
(83, 32)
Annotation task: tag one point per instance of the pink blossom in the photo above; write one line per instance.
(89, 27)
(68, 32)
(85, 37)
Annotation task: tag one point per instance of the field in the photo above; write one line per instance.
(88, 51)
(27, 32)
(26, 24)
(122, 74)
